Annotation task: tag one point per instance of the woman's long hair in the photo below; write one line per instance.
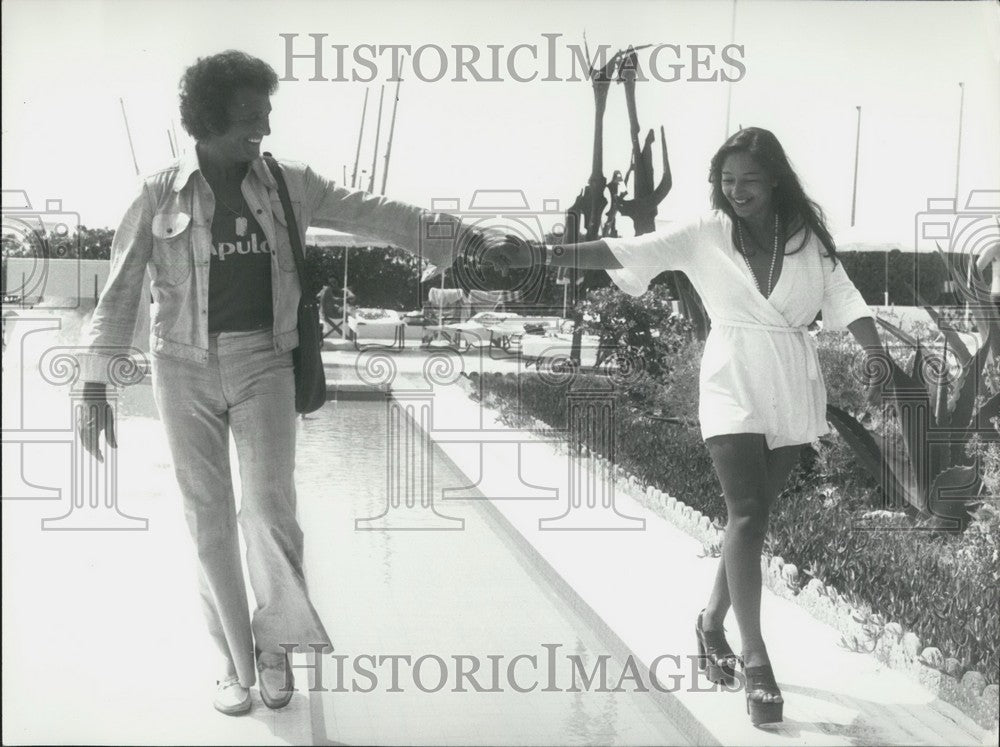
(796, 212)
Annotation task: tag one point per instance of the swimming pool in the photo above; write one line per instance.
(472, 594)
(465, 597)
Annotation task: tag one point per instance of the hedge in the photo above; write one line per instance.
(906, 270)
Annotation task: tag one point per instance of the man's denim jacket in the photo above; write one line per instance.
(168, 229)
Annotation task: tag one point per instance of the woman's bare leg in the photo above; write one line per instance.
(751, 478)
(780, 463)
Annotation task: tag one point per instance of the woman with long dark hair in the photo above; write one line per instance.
(765, 266)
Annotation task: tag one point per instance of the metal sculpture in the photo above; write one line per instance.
(584, 215)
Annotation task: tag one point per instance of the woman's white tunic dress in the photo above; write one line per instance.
(760, 370)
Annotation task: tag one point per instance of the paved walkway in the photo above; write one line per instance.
(103, 636)
(646, 586)
(103, 640)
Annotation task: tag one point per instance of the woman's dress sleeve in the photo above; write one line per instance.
(842, 301)
(644, 257)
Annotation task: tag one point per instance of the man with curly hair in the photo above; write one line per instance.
(212, 232)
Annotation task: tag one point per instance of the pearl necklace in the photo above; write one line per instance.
(774, 256)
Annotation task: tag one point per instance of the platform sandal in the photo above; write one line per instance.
(760, 680)
(715, 657)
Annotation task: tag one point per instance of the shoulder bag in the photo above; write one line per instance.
(310, 378)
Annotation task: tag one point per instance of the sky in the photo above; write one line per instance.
(806, 67)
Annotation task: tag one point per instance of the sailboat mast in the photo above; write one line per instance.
(378, 131)
(361, 132)
(392, 130)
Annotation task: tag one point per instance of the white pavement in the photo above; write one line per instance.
(647, 587)
(104, 641)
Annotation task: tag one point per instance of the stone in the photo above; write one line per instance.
(790, 573)
(930, 656)
(776, 564)
(974, 682)
(894, 631)
(671, 502)
(911, 644)
(952, 667)
(991, 699)
(815, 588)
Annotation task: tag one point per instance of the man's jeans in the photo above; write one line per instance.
(250, 388)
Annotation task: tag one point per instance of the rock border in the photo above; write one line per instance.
(861, 630)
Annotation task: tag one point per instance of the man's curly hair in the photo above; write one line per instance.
(207, 87)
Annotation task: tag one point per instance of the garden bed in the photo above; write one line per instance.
(918, 598)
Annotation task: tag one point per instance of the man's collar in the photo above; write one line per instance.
(189, 164)
(263, 172)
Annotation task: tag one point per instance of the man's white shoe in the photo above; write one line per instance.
(231, 698)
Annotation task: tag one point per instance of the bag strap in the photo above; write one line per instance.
(293, 226)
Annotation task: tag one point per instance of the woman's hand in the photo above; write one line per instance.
(96, 417)
(991, 255)
(510, 251)
(878, 375)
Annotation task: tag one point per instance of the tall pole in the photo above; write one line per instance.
(958, 153)
(729, 85)
(958, 168)
(388, 146)
(343, 325)
(173, 132)
(129, 133)
(170, 142)
(857, 150)
(378, 130)
(361, 131)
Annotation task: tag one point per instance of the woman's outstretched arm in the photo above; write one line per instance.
(512, 252)
(586, 255)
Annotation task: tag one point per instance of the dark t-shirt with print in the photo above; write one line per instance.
(239, 275)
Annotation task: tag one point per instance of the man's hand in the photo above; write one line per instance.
(510, 251)
(96, 417)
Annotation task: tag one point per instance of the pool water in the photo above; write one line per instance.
(470, 592)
